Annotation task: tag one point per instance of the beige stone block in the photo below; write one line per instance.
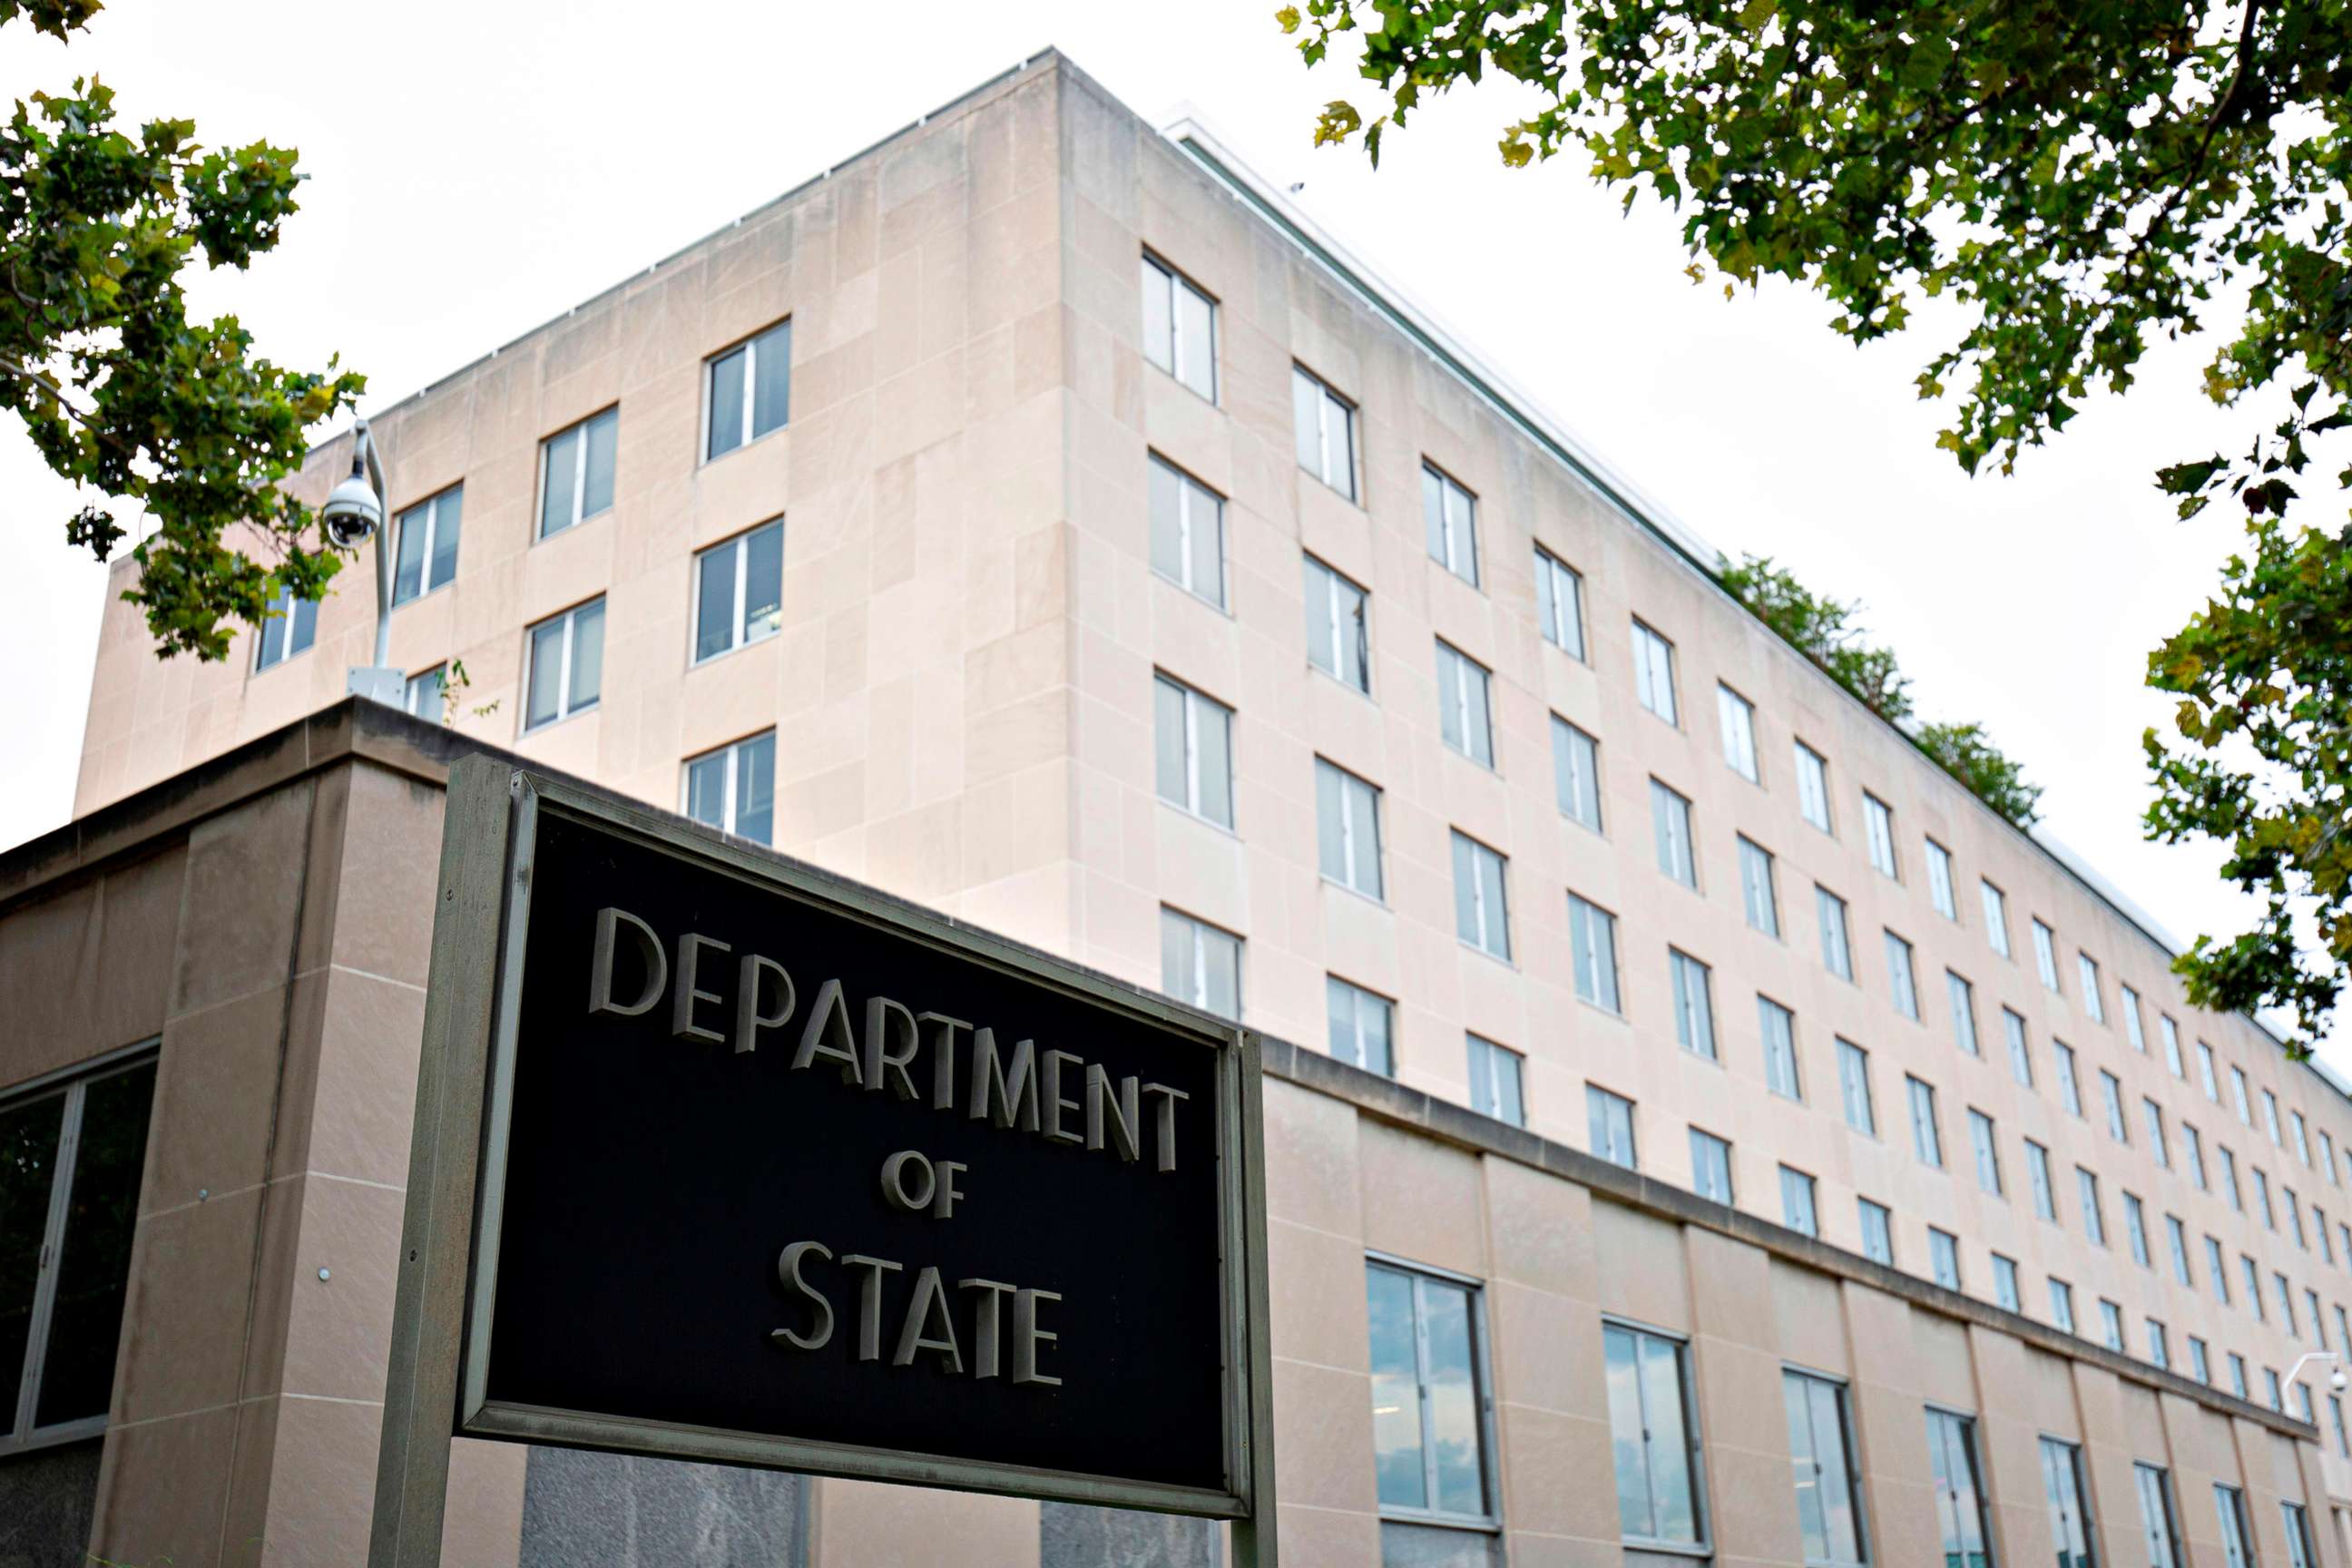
(1312, 1157)
(216, 1085)
(1657, 1290)
(249, 859)
(1545, 1226)
(1551, 1460)
(482, 1527)
(322, 1492)
(1754, 1518)
(1317, 1282)
(1323, 1435)
(162, 1490)
(863, 1522)
(1420, 1200)
(184, 1319)
(1546, 1351)
(1327, 1537)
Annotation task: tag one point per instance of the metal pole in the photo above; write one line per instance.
(367, 448)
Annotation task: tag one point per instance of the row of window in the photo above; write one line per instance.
(1432, 1437)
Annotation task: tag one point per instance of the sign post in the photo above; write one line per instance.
(720, 1158)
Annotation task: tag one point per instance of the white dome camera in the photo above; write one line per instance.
(2337, 1381)
(353, 514)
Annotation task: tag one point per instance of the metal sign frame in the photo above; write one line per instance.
(447, 1280)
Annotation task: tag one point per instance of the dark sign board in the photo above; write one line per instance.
(775, 1170)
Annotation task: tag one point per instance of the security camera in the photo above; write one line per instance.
(353, 514)
(2337, 1381)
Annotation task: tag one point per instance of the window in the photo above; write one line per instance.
(2171, 1033)
(2020, 1060)
(1836, 952)
(2093, 1000)
(1987, 1151)
(2155, 1491)
(2252, 1276)
(2095, 1216)
(2285, 1294)
(1996, 914)
(2111, 1100)
(2237, 1364)
(1363, 1025)
(2237, 1540)
(69, 1198)
(575, 472)
(1609, 1124)
(2004, 1283)
(1960, 1494)
(2037, 1177)
(2327, 1157)
(2176, 1238)
(1853, 1086)
(1944, 1257)
(2160, 1345)
(2152, 1114)
(288, 627)
(1877, 1232)
(1738, 716)
(2262, 1198)
(1347, 835)
(1338, 627)
(2205, 1072)
(2272, 1392)
(2192, 1148)
(2128, 999)
(1710, 1166)
(1180, 327)
(2136, 1229)
(1820, 1458)
(1327, 432)
(425, 556)
(1200, 963)
(739, 591)
(1576, 773)
(2230, 1178)
(1462, 708)
(2294, 1215)
(1757, 891)
(1559, 603)
(1187, 532)
(2062, 1305)
(1593, 933)
(566, 655)
(1195, 750)
(1670, 823)
(1497, 1081)
(1449, 515)
(1926, 1133)
(1963, 998)
(750, 391)
(426, 694)
(2302, 1136)
(2045, 955)
(1693, 1002)
(2336, 1419)
(1780, 1029)
(1480, 915)
(1939, 880)
(1429, 1394)
(2200, 1361)
(1878, 826)
(1813, 787)
(1797, 1210)
(2070, 1086)
(733, 789)
(1899, 980)
(1654, 1437)
(2271, 1117)
(2217, 1270)
(2300, 1553)
(1654, 673)
(2062, 1487)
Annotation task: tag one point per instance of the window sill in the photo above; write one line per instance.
(1189, 815)
(1441, 1521)
(1453, 750)
(400, 605)
(741, 446)
(280, 664)
(539, 538)
(80, 1431)
(1193, 593)
(545, 725)
(724, 653)
(1375, 900)
(1208, 398)
(1364, 691)
(1466, 945)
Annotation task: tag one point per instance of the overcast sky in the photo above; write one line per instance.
(477, 168)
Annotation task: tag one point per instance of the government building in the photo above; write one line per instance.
(1698, 1129)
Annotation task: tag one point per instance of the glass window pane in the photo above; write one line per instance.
(448, 514)
(706, 789)
(1670, 1454)
(1205, 517)
(587, 657)
(1221, 971)
(1196, 342)
(93, 1262)
(408, 559)
(1168, 732)
(773, 372)
(1628, 1452)
(603, 442)
(1804, 1467)
(28, 1151)
(1490, 895)
(714, 611)
(546, 673)
(1163, 488)
(559, 480)
(755, 789)
(1330, 840)
(1397, 1457)
(1307, 414)
(305, 626)
(1453, 1416)
(1466, 891)
(1213, 725)
(763, 581)
(727, 402)
(1159, 318)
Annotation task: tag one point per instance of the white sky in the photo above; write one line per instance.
(476, 168)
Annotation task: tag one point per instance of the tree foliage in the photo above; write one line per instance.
(1825, 631)
(2076, 180)
(121, 391)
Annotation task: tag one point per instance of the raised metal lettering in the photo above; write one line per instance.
(988, 1322)
(749, 1019)
(1027, 1336)
(1115, 1117)
(869, 1300)
(943, 1057)
(899, 1192)
(1055, 1103)
(788, 1270)
(931, 1300)
(600, 969)
(826, 1033)
(1167, 1120)
(1006, 1095)
(888, 1024)
(681, 1012)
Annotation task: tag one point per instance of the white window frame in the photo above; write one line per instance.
(1853, 1088)
(1198, 994)
(1453, 541)
(2094, 1001)
(1495, 1056)
(1670, 823)
(411, 690)
(733, 750)
(1693, 1017)
(1335, 585)
(1461, 670)
(1767, 1009)
(1326, 400)
(430, 507)
(1189, 493)
(1564, 632)
(1694, 1454)
(740, 543)
(1825, 903)
(1793, 1180)
(1737, 717)
(1358, 997)
(2045, 955)
(1902, 976)
(1608, 1112)
(1808, 1384)
(1653, 671)
(1996, 913)
(284, 610)
(1482, 1379)
(1353, 785)
(1814, 788)
(564, 707)
(1178, 282)
(1491, 924)
(540, 528)
(1193, 698)
(1939, 882)
(1758, 872)
(1926, 1126)
(1567, 765)
(1588, 954)
(750, 347)
(1878, 825)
